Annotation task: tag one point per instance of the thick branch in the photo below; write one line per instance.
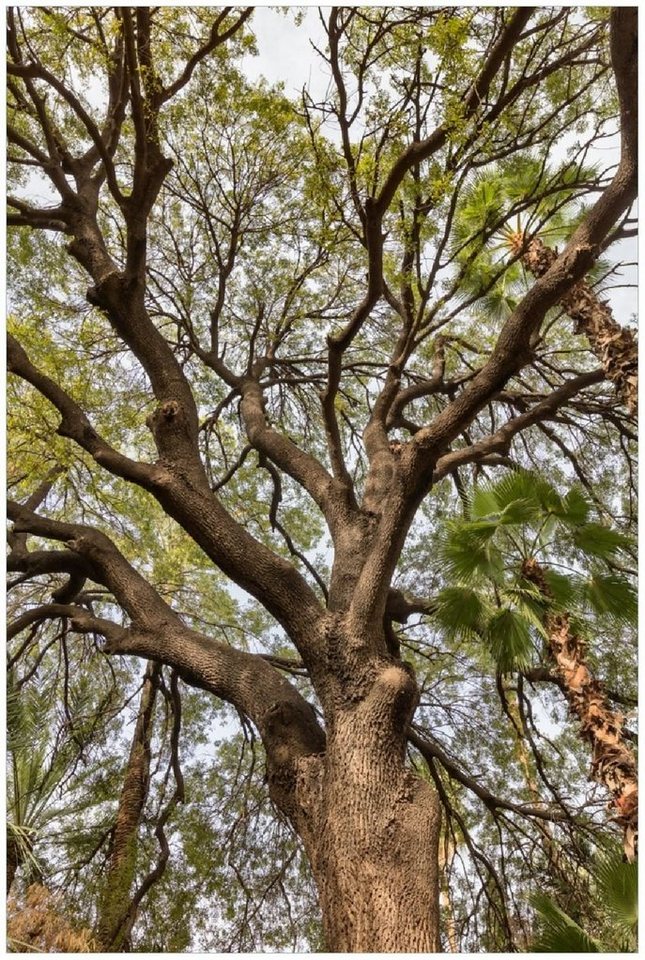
(499, 442)
(74, 423)
(246, 680)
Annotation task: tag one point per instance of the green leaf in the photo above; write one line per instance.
(564, 589)
(519, 512)
(618, 888)
(484, 502)
(460, 610)
(509, 636)
(559, 933)
(467, 552)
(598, 540)
(575, 507)
(612, 596)
(525, 485)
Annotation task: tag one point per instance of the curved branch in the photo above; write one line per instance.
(499, 441)
(430, 750)
(74, 423)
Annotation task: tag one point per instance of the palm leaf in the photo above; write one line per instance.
(527, 486)
(519, 512)
(598, 540)
(565, 590)
(575, 507)
(618, 889)
(460, 611)
(484, 502)
(467, 552)
(509, 636)
(558, 932)
(612, 596)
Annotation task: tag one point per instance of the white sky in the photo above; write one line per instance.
(285, 50)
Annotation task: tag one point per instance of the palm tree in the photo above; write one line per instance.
(504, 592)
(614, 898)
(482, 228)
(49, 769)
(615, 346)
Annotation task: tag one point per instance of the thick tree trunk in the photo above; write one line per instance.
(376, 860)
(370, 827)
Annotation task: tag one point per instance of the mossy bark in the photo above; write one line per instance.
(115, 901)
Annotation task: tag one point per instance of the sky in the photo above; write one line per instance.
(285, 51)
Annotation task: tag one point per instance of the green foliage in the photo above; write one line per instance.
(509, 636)
(559, 934)
(615, 893)
(522, 516)
(258, 232)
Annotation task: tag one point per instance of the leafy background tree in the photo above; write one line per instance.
(276, 473)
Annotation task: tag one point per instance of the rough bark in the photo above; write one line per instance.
(114, 907)
(612, 762)
(370, 827)
(615, 346)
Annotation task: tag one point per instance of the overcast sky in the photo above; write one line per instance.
(285, 50)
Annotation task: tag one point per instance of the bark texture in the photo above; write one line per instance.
(371, 827)
(615, 346)
(115, 902)
(613, 763)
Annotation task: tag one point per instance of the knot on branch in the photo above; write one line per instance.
(291, 730)
(291, 734)
(394, 695)
(168, 415)
(110, 283)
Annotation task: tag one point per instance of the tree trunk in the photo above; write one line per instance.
(615, 346)
(371, 827)
(13, 860)
(376, 861)
(114, 908)
(613, 763)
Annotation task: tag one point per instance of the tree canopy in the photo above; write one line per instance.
(321, 424)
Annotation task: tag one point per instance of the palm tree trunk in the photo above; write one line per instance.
(613, 763)
(13, 861)
(615, 346)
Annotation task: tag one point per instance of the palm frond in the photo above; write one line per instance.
(467, 551)
(460, 611)
(558, 932)
(618, 889)
(598, 540)
(565, 590)
(509, 636)
(612, 596)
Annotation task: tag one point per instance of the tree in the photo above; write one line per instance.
(296, 329)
